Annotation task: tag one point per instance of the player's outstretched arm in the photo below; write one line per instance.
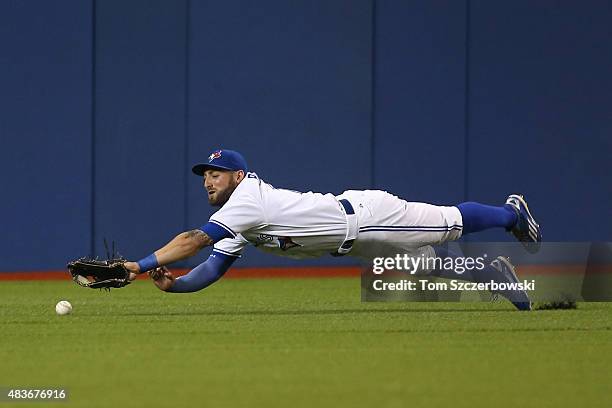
(183, 246)
(198, 278)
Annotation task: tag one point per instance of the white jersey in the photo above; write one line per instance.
(283, 222)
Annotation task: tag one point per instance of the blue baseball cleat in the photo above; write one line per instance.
(507, 273)
(526, 229)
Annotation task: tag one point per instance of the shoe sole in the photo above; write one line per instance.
(522, 200)
(512, 269)
(531, 220)
(506, 262)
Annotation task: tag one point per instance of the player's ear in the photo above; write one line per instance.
(240, 175)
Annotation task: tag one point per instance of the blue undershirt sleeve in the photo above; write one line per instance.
(216, 231)
(205, 274)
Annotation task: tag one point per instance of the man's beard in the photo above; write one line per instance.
(223, 196)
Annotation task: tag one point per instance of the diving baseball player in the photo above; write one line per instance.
(364, 224)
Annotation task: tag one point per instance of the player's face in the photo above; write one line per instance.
(220, 185)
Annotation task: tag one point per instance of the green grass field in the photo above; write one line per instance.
(298, 343)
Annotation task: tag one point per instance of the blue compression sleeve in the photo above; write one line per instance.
(478, 217)
(205, 274)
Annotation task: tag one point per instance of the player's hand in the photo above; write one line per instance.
(162, 278)
(132, 267)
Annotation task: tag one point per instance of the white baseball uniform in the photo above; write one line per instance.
(365, 223)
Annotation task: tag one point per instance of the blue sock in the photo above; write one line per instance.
(478, 217)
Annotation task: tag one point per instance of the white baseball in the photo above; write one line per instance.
(63, 307)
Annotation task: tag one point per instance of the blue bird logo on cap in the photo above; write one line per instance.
(222, 159)
(214, 155)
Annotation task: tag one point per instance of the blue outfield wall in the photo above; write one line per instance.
(288, 84)
(140, 131)
(419, 99)
(45, 132)
(540, 111)
(106, 104)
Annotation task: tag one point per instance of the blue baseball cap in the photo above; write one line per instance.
(222, 160)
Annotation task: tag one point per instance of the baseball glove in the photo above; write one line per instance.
(99, 274)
